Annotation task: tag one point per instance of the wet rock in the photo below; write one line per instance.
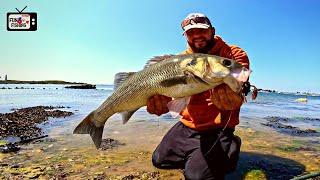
(277, 123)
(128, 177)
(61, 175)
(4, 164)
(15, 166)
(312, 119)
(83, 86)
(23, 122)
(142, 175)
(109, 144)
(33, 175)
(305, 148)
(99, 175)
(45, 140)
(150, 175)
(310, 131)
(58, 167)
(7, 148)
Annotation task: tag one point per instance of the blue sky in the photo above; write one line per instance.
(91, 40)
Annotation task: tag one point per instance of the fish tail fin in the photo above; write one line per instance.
(87, 126)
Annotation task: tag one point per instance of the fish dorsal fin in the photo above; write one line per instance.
(126, 115)
(177, 105)
(120, 77)
(157, 59)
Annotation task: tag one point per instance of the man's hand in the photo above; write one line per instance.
(224, 98)
(157, 104)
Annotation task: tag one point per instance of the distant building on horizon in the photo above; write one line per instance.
(5, 77)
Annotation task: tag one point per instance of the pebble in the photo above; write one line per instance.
(15, 166)
(4, 164)
(109, 144)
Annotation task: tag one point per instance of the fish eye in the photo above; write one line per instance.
(227, 62)
(192, 62)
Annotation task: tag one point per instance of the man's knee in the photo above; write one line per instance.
(160, 161)
(156, 161)
(167, 161)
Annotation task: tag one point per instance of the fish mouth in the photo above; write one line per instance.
(242, 75)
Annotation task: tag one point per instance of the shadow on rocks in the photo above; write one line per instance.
(273, 167)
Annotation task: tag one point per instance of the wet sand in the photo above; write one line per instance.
(265, 154)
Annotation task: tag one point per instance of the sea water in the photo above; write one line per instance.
(83, 101)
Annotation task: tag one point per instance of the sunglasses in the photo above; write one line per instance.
(195, 20)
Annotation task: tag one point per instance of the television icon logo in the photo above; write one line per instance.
(22, 21)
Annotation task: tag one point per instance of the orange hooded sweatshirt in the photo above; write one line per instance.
(199, 114)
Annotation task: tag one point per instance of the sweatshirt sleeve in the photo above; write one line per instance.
(240, 56)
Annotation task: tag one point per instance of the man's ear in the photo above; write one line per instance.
(213, 31)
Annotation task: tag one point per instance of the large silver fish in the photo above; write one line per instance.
(177, 76)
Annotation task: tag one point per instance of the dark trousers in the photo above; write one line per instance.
(185, 148)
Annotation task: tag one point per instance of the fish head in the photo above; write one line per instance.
(214, 69)
(233, 73)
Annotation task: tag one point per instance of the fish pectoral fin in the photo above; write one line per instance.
(120, 77)
(87, 126)
(177, 105)
(126, 115)
(233, 83)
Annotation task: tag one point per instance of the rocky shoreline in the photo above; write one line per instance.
(81, 86)
(22, 123)
(279, 124)
(126, 153)
(37, 82)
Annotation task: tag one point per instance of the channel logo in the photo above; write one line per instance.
(21, 21)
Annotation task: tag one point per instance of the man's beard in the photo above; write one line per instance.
(209, 45)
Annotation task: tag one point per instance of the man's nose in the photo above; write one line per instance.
(196, 35)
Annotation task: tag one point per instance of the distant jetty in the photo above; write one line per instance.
(82, 86)
(37, 82)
